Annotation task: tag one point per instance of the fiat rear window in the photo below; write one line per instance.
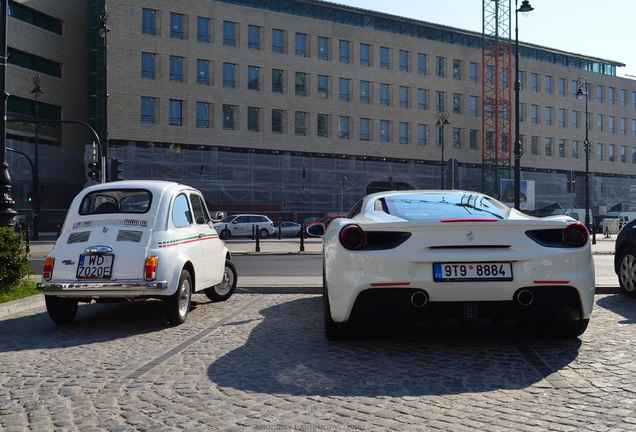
(116, 201)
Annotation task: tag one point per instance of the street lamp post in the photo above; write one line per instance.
(37, 90)
(102, 30)
(582, 89)
(524, 9)
(7, 214)
(442, 122)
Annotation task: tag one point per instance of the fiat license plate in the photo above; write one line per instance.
(472, 272)
(94, 266)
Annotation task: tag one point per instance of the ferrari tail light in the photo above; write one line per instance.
(352, 237)
(575, 234)
(150, 268)
(47, 272)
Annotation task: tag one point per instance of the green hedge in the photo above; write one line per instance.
(14, 261)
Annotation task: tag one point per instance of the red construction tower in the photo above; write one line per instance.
(496, 115)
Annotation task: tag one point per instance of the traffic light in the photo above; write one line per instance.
(94, 169)
(116, 170)
(30, 197)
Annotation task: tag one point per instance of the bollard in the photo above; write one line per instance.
(59, 230)
(593, 233)
(258, 237)
(252, 232)
(280, 229)
(303, 230)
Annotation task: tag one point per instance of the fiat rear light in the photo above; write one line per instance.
(150, 268)
(47, 272)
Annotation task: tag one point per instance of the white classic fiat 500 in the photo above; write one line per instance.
(136, 240)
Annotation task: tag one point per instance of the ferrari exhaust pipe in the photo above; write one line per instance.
(525, 297)
(419, 299)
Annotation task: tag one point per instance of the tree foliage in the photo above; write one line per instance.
(14, 261)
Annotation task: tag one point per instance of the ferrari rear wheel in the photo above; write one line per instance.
(627, 272)
(225, 289)
(61, 310)
(178, 304)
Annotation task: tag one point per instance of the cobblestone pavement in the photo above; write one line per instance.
(260, 362)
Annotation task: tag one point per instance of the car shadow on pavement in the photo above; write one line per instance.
(95, 323)
(286, 353)
(620, 304)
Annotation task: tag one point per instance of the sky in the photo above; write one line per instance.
(604, 29)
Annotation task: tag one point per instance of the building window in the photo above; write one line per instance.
(229, 33)
(176, 69)
(439, 67)
(421, 99)
(228, 75)
(323, 86)
(562, 87)
(322, 124)
(277, 81)
(611, 151)
(301, 44)
(548, 147)
(203, 30)
(474, 77)
(421, 134)
(612, 124)
(253, 123)
(548, 116)
(147, 110)
(384, 58)
(344, 89)
(534, 82)
(439, 101)
(147, 65)
(457, 103)
(623, 154)
(599, 151)
(575, 119)
(623, 98)
(343, 127)
(534, 145)
(364, 92)
(634, 155)
(384, 131)
(301, 87)
(457, 69)
(404, 61)
(562, 121)
(148, 22)
(534, 114)
(278, 38)
(175, 112)
(404, 97)
(403, 133)
(474, 139)
(203, 72)
(365, 58)
(457, 138)
(253, 37)
(176, 25)
(253, 78)
(575, 149)
(623, 126)
(365, 129)
(599, 122)
(228, 117)
(474, 106)
(421, 64)
(34, 62)
(300, 122)
(344, 51)
(34, 17)
(384, 95)
(599, 93)
(561, 148)
(548, 84)
(277, 121)
(203, 115)
(323, 48)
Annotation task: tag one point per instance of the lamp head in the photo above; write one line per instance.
(525, 8)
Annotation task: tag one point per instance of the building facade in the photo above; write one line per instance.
(301, 105)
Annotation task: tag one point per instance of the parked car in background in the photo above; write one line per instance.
(625, 259)
(133, 240)
(244, 225)
(287, 229)
(325, 220)
(457, 258)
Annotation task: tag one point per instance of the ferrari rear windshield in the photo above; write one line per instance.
(441, 205)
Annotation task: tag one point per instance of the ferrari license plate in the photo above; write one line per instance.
(94, 266)
(471, 272)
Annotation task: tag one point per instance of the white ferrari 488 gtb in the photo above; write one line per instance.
(455, 258)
